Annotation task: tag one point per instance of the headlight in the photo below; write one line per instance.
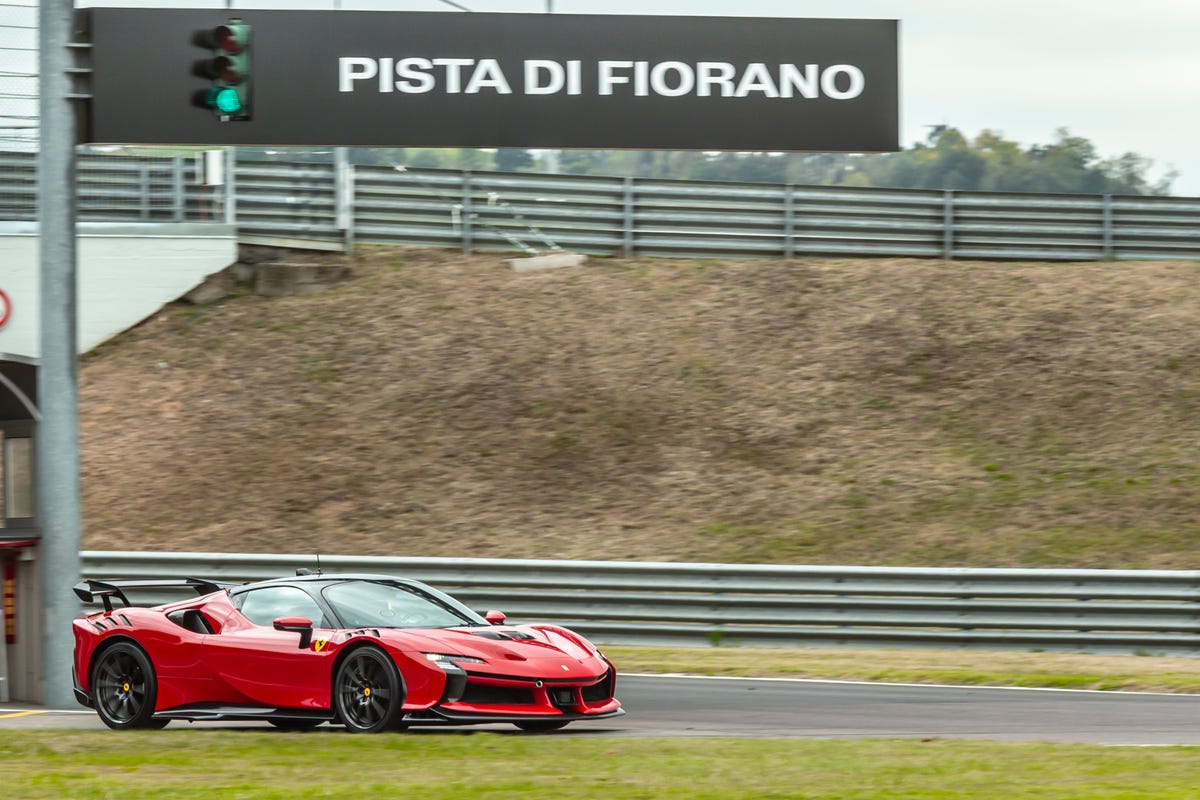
(449, 660)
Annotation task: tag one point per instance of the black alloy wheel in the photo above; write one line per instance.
(124, 688)
(368, 694)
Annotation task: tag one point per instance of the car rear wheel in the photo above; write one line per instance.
(124, 688)
(543, 725)
(368, 693)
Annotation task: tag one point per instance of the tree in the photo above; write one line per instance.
(957, 165)
(946, 159)
(471, 159)
(990, 162)
(426, 158)
(585, 162)
(513, 160)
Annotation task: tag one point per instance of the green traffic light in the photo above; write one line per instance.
(224, 99)
(228, 101)
(228, 70)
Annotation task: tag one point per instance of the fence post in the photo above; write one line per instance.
(627, 219)
(789, 221)
(343, 197)
(467, 212)
(948, 225)
(1107, 222)
(231, 186)
(144, 192)
(177, 188)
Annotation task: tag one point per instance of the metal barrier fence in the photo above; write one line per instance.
(331, 205)
(117, 189)
(783, 606)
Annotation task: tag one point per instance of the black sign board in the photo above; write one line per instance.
(501, 80)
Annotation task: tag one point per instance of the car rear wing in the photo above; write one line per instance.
(89, 590)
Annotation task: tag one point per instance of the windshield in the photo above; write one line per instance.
(367, 604)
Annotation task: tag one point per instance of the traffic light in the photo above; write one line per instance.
(229, 70)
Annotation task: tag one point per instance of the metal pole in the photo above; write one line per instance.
(343, 194)
(551, 155)
(343, 197)
(468, 235)
(1106, 223)
(144, 192)
(789, 221)
(230, 186)
(230, 196)
(627, 218)
(948, 225)
(177, 188)
(58, 392)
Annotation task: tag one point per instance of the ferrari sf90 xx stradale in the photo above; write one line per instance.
(370, 652)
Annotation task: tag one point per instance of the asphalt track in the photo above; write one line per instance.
(743, 707)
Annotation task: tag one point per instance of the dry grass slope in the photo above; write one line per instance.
(811, 411)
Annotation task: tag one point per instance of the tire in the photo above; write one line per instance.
(368, 694)
(295, 724)
(124, 688)
(542, 725)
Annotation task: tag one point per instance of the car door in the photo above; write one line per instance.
(269, 667)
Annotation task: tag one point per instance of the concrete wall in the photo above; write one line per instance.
(126, 273)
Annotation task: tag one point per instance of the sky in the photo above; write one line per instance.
(1125, 75)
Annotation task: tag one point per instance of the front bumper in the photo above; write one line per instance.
(439, 716)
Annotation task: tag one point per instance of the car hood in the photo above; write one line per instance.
(505, 644)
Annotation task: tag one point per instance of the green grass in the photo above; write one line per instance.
(199, 764)
(1146, 672)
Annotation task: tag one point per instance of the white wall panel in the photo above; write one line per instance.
(125, 275)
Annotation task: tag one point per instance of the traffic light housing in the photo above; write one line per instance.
(228, 70)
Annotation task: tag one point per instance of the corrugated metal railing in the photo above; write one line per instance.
(783, 606)
(330, 205)
(116, 189)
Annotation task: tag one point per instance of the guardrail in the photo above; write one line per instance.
(783, 606)
(332, 205)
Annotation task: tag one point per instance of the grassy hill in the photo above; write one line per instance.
(815, 411)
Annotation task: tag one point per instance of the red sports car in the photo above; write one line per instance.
(370, 652)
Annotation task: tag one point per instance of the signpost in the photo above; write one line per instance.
(493, 80)
(57, 480)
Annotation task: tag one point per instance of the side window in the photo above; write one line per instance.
(264, 606)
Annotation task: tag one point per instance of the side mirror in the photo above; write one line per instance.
(300, 625)
(495, 617)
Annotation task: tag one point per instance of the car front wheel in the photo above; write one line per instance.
(124, 688)
(368, 693)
